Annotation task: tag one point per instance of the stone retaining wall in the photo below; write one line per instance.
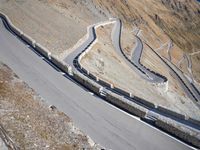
(175, 128)
(131, 107)
(28, 39)
(127, 105)
(90, 84)
(42, 50)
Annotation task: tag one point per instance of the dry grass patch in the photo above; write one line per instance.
(30, 123)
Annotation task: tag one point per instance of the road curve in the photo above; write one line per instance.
(72, 59)
(186, 85)
(189, 89)
(116, 33)
(104, 123)
(91, 37)
(137, 53)
(134, 64)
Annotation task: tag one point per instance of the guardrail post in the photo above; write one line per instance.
(166, 86)
(33, 44)
(70, 72)
(49, 55)
(131, 95)
(111, 86)
(88, 72)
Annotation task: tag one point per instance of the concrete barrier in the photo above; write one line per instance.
(5, 17)
(97, 79)
(79, 59)
(10, 25)
(42, 50)
(17, 31)
(70, 70)
(87, 50)
(14, 29)
(131, 95)
(179, 130)
(66, 68)
(111, 86)
(88, 72)
(55, 61)
(90, 84)
(170, 112)
(126, 105)
(62, 65)
(28, 40)
(78, 77)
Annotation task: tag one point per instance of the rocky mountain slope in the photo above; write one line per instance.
(177, 18)
(165, 20)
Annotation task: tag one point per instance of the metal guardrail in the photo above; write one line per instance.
(125, 103)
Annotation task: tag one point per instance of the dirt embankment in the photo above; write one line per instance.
(30, 123)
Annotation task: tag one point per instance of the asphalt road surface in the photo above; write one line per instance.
(69, 59)
(104, 123)
(137, 53)
(146, 74)
(116, 40)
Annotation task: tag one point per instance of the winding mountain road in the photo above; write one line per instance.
(104, 123)
(116, 34)
(186, 84)
(135, 65)
(90, 38)
(137, 52)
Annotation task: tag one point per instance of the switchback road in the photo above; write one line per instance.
(104, 123)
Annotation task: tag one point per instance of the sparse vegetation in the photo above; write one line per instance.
(30, 123)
